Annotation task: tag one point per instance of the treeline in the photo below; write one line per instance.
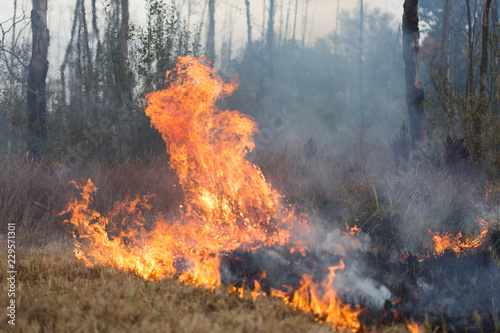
(94, 106)
(460, 55)
(348, 85)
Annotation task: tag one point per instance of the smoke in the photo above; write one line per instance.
(324, 149)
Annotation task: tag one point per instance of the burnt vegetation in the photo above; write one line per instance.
(333, 141)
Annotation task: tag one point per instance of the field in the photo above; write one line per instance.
(57, 293)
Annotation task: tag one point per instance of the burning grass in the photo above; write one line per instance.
(51, 274)
(346, 245)
(57, 293)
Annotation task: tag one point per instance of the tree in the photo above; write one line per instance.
(471, 46)
(336, 40)
(483, 68)
(249, 23)
(496, 48)
(414, 92)
(38, 68)
(270, 38)
(123, 48)
(295, 20)
(447, 44)
(210, 49)
(361, 35)
(482, 108)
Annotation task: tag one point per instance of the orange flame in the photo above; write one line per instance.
(228, 203)
(412, 327)
(456, 243)
(322, 300)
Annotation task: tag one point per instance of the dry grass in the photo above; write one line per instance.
(57, 293)
(33, 193)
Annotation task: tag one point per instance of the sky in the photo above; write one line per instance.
(230, 16)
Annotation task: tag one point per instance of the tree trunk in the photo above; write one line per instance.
(305, 27)
(287, 21)
(210, 49)
(361, 88)
(295, 20)
(270, 38)
(249, 24)
(122, 34)
(478, 117)
(39, 65)
(496, 53)
(336, 46)
(470, 36)
(483, 68)
(11, 111)
(414, 91)
(121, 64)
(447, 41)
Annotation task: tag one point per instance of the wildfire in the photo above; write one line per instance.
(412, 327)
(323, 300)
(228, 203)
(456, 243)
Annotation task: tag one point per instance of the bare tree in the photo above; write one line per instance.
(471, 85)
(337, 27)
(447, 44)
(249, 24)
(361, 93)
(483, 67)
(305, 25)
(210, 49)
(287, 20)
(482, 107)
(295, 20)
(122, 33)
(270, 38)
(281, 24)
(496, 53)
(414, 92)
(38, 68)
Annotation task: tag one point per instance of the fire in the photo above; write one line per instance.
(322, 299)
(456, 243)
(412, 327)
(228, 203)
(354, 231)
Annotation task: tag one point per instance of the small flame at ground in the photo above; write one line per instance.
(323, 300)
(456, 243)
(228, 203)
(412, 327)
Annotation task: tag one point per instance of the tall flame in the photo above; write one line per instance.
(228, 203)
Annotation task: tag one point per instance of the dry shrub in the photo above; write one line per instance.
(33, 193)
(384, 201)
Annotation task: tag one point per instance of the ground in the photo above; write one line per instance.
(58, 293)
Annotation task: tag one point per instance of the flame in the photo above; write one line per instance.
(412, 327)
(354, 231)
(228, 203)
(456, 243)
(322, 299)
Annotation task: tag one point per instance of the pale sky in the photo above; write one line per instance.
(229, 14)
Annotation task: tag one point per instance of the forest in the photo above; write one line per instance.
(238, 166)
